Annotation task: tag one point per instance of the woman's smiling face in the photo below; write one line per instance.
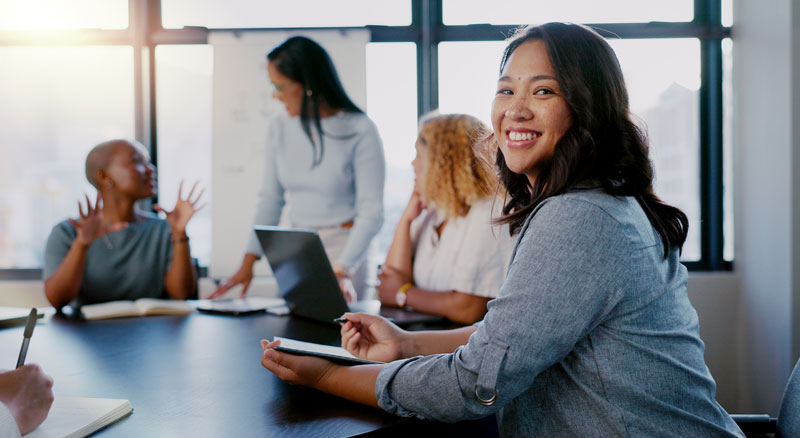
(529, 113)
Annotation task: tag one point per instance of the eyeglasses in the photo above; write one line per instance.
(280, 88)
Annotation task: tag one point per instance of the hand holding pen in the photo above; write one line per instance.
(372, 337)
(26, 391)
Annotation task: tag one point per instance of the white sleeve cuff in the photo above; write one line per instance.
(8, 425)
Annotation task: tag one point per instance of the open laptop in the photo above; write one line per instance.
(307, 282)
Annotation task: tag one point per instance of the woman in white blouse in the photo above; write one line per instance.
(447, 258)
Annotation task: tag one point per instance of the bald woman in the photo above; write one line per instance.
(113, 251)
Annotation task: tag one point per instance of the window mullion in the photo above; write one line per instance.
(427, 18)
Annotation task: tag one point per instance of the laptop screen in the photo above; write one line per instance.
(303, 272)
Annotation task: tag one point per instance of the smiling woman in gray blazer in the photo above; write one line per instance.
(592, 333)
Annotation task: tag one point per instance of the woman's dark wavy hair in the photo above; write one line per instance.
(307, 63)
(603, 146)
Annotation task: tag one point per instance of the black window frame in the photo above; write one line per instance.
(427, 30)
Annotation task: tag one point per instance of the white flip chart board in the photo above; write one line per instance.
(242, 103)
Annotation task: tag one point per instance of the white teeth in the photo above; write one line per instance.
(519, 136)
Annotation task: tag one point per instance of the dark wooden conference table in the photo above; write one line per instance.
(199, 375)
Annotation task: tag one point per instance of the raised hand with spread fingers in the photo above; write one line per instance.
(180, 280)
(63, 286)
(91, 225)
(184, 209)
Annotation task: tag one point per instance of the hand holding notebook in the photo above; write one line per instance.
(336, 354)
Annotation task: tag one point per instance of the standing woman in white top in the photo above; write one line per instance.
(324, 157)
(447, 258)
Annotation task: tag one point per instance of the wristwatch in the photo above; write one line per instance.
(402, 295)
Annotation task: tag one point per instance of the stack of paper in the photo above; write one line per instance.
(76, 417)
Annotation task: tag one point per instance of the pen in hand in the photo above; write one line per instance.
(26, 337)
(341, 320)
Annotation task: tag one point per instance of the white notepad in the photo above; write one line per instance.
(338, 354)
(75, 417)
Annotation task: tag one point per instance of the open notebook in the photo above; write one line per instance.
(140, 307)
(337, 354)
(75, 417)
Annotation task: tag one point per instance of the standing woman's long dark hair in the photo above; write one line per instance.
(603, 146)
(307, 63)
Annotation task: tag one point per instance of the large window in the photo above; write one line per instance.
(663, 80)
(466, 86)
(58, 102)
(183, 84)
(59, 14)
(392, 105)
(149, 77)
(727, 144)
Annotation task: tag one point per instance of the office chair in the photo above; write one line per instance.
(786, 424)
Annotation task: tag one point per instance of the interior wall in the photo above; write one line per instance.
(765, 139)
(715, 296)
(795, 123)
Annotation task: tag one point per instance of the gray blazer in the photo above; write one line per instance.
(592, 334)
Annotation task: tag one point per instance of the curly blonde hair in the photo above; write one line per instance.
(457, 174)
